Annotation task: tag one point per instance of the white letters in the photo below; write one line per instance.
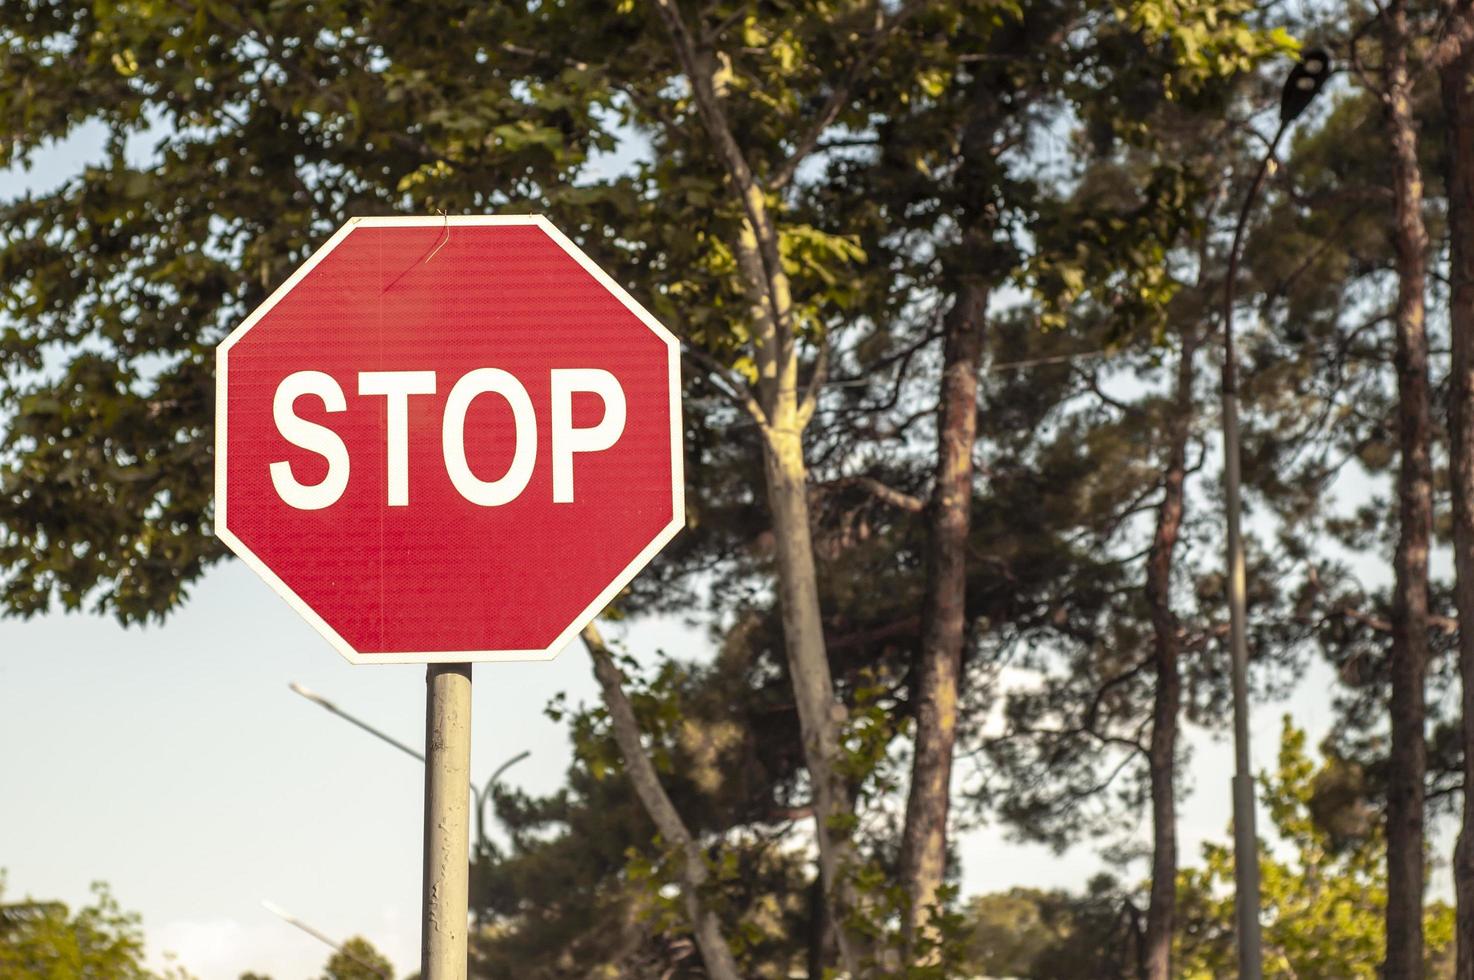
(566, 439)
(453, 437)
(310, 436)
(397, 386)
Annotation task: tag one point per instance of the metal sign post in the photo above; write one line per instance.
(447, 821)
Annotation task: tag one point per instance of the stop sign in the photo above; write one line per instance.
(448, 439)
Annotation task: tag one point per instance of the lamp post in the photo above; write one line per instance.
(287, 917)
(323, 702)
(1305, 80)
(485, 794)
(478, 796)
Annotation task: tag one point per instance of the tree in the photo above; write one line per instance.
(592, 882)
(1324, 902)
(1100, 728)
(780, 402)
(267, 108)
(1456, 69)
(1055, 935)
(47, 941)
(1166, 652)
(838, 212)
(277, 124)
(994, 86)
(715, 951)
(357, 959)
(1408, 763)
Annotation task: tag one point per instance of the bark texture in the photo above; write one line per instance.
(1161, 913)
(715, 953)
(820, 715)
(1456, 77)
(939, 660)
(1408, 757)
(782, 408)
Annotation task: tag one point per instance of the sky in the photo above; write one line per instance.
(174, 763)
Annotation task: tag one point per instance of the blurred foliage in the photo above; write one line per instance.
(357, 959)
(1323, 894)
(47, 941)
(1054, 935)
(1324, 890)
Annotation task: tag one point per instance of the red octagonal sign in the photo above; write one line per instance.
(448, 439)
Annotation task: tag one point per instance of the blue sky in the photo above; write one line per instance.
(174, 763)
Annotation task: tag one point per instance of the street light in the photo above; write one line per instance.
(283, 914)
(485, 795)
(479, 796)
(323, 702)
(1305, 81)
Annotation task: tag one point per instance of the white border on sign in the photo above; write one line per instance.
(678, 479)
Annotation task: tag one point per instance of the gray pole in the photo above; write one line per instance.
(1303, 84)
(1245, 838)
(447, 821)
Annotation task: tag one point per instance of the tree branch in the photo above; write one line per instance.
(1458, 32)
(708, 106)
(1092, 713)
(889, 495)
(715, 952)
(719, 374)
(816, 382)
(1444, 624)
(907, 627)
(807, 143)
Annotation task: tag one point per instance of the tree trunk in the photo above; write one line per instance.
(819, 713)
(939, 661)
(1456, 77)
(782, 412)
(1408, 758)
(1161, 913)
(820, 947)
(715, 953)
